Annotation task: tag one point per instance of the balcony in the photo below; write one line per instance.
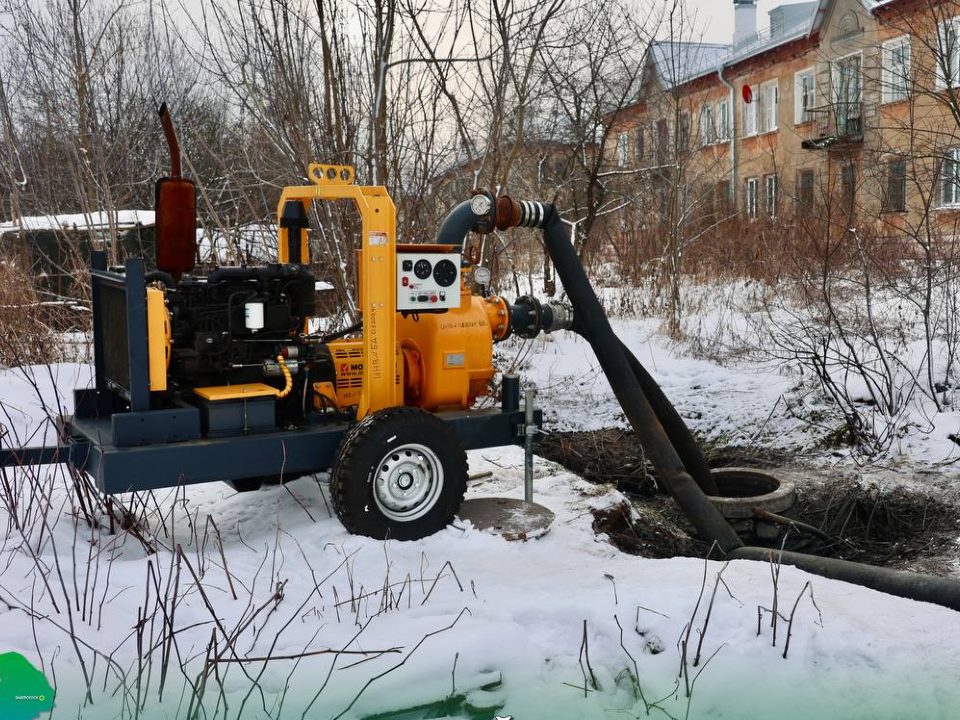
(836, 125)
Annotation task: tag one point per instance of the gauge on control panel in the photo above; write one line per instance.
(445, 273)
(422, 269)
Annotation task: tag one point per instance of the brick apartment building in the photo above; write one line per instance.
(848, 102)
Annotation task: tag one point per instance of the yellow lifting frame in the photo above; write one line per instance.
(377, 271)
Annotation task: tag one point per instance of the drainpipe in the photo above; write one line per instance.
(733, 135)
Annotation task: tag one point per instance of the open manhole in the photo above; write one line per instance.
(903, 527)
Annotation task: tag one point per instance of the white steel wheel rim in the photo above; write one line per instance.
(407, 482)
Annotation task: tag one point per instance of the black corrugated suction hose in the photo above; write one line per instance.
(915, 586)
(683, 441)
(592, 323)
(630, 380)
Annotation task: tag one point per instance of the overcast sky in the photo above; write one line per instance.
(715, 17)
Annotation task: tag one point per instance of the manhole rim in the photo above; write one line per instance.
(775, 501)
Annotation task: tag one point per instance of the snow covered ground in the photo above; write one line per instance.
(485, 625)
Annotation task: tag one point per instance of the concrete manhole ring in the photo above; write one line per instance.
(743, 489)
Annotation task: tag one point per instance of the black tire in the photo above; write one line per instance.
(364, 471)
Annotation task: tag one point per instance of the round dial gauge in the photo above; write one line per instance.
(445, 273)
(481, 275)
(422, 269)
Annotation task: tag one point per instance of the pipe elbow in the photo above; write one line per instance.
(473, 215)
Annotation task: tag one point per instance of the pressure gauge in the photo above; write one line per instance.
(481, 275)
(422, 269)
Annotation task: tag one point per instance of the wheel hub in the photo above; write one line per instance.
(408, 482)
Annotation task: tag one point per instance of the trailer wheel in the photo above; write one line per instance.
(399, 473)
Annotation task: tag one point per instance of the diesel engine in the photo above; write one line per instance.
(231, 326)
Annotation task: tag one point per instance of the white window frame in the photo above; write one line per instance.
(623, 148)
(769, 114)
(896, 86)
(722, 120)
(950, 49)
(753, 191)
(707, 129)
(749, 111)
(834, 76)
(770, 188)
(801, 109)
(953, 201)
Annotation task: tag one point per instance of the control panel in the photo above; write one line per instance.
(428, 281)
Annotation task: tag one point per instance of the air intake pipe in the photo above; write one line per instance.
(633, 388)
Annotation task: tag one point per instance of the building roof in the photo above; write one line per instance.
(122, 220)
(680, 62)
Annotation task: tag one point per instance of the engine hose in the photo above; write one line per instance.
(288, 378)
(164, 277)
(595, 328)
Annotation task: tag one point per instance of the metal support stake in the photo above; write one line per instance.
(529, 430)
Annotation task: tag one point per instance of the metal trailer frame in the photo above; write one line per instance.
(125, 446)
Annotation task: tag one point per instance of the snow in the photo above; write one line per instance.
(506, 616)
(728, 404)
(80, 221)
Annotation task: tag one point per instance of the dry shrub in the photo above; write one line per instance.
(34, 331)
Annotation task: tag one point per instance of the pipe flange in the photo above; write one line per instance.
(530, 331)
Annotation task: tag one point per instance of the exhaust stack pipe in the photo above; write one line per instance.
(176, 211)
(166, 122)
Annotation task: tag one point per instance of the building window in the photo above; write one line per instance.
(623, 149)
(847, 89)
(804, 95)
(805, 189)
(749, 118)
(769, 102)
(723, 120)
(848, 187)
(683, 133)
(752, 188)
(950, 178)
(724, 197)
(663, 140)
(706, 125)
(948, 52)
(641, 150)
(895, 199)
(896, 69)
(770, 199)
